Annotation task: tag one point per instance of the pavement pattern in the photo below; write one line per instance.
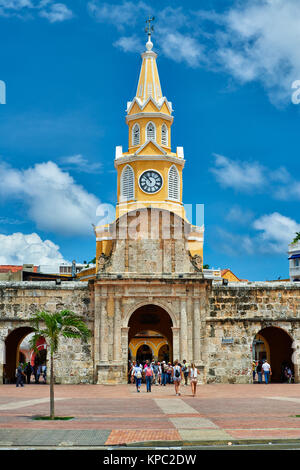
(115, 415)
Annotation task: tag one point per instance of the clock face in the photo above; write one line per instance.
(150, 181)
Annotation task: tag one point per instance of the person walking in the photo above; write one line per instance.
(193, 373)
(177, 376)
(44, 372)
(155, 372)
(267, 371)
(159, 373)
(185, 371)
(28, 372)
(20, 375)
(253, 370)
(163, 373)
(137, 372)
(169, 373)
(149, 377)
(259, 372)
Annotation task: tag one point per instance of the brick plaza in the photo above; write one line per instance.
(117, 415)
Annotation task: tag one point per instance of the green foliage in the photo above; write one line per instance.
(206, 266)
(297, 238)
(52, 326)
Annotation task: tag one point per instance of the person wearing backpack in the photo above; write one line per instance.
(177, 376)
(137, 372)
(149, 376)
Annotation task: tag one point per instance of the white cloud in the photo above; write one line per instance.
(81, 164)
(129, 43)
(242, 176)
(181, 48)
(57, 12)
(120, 15)
(53, 12)
(252, 177)
(254, 40)
(260, 42)
(55, 202)
(277, 231)
(19, 248)
(272, 234)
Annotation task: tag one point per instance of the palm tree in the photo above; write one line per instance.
(52, 327)
(297, 238)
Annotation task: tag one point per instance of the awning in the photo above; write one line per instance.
(294, 256)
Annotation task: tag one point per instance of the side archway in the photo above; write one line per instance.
(276, 346)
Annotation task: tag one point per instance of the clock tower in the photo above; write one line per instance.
(149, 181)
(149, 173)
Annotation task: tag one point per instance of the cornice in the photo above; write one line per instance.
(141, 115)
(134, 158)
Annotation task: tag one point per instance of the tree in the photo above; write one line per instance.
(206, 266)
(297, 238)
(52, 327)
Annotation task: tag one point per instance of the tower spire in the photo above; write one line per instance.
(149, 83)
(149, 30)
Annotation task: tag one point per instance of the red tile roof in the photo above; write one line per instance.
(5, 268)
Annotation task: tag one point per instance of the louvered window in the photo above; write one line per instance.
(136, 135)
(150, 131)
(127, 184)
(174, 183)
(164, 135)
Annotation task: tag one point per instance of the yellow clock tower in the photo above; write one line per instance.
(149, 173)
(149, 180)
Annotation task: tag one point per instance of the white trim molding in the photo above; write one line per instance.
(134, 158)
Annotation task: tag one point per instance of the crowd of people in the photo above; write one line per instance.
(263, 369)
(25, 371)
(163, 373)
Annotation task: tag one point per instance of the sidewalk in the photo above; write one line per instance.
(117, 415)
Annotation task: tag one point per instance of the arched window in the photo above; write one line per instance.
(173, 184)
(127, 183)
(150, 131)
(164, 135)
(135, 135)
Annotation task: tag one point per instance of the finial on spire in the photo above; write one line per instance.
(149, 29)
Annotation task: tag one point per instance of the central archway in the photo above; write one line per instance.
(150, 326)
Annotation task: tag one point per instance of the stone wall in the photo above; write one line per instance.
(212, 324)
(238, 312)
(18, 301)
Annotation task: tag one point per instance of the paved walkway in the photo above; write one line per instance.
(117, 415)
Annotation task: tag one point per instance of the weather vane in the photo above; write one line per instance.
(149, 28)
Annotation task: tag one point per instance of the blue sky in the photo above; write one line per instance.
(228, 68)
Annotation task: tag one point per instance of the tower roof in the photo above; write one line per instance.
(149, 83)
(149, 88)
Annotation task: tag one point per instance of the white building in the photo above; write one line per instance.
(60, 268)
(294, 258)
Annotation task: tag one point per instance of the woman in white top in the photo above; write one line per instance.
(193, 373)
